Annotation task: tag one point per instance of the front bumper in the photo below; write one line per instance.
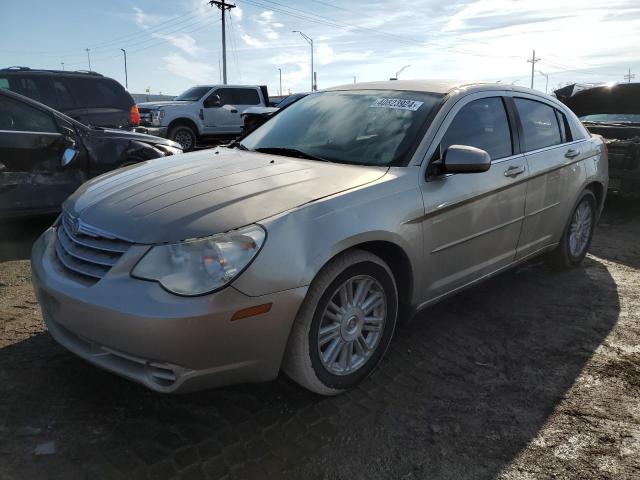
(155, 131)
(166, 342)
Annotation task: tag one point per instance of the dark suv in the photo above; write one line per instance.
(88, 97)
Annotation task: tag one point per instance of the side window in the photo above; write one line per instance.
(565, 130)
(4, 83)
(246, 96)
(226, 96)
(65, 100)
(18, 116)
(96, 93)
(539, 124)
(482, 123)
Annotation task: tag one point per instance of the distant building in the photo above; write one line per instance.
(146, 97)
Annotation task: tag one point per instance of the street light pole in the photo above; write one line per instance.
(126, 77)
(280, 73)
(546, 85)
(310, 42)
(88, 58)
(62, 63)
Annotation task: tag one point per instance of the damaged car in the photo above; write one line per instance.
(45, 155)
(613, 111)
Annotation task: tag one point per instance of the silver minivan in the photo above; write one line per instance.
(301, 246)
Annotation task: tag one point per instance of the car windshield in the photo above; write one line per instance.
(290, 99)
(612, 118)
(193, 94)
(366, 127)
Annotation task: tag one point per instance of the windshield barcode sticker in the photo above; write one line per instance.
(397, 103)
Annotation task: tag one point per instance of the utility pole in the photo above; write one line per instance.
(88, 58)
(628, 77)
(280, 73)
(223, 8)
(310, 42)
(126, 77)
(533, 64)
(354, 79)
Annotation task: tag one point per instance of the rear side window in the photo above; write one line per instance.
(97, 93)
(246, 96)
(65, 99)
(482, 124)
(540, 126)
(18, 116)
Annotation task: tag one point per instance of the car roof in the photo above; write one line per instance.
(435, 86)
(37, 71)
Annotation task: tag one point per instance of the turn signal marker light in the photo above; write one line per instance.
(251, 311)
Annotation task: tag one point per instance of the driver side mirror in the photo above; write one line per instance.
(465, 159)
(212, 101)
(68, 156)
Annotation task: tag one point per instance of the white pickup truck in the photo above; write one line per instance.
(204, 112)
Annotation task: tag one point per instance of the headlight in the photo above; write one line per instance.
(157, 116)
(200, 266)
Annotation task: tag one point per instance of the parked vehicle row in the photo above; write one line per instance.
(202, 113)
(301, 246)
(45, 155)
(613, 111)
(87, 97)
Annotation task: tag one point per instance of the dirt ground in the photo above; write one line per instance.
(534, 374)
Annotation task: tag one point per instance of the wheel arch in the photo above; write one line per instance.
(597, 188)
(397, 260)
(183, 122)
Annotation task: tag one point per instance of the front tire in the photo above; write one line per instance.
(185, 136)
(578, 233)
(344, 325)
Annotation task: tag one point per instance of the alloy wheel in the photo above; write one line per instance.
(352, 324)
(580, 228)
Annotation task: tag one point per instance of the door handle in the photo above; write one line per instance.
(513, 171)
(571, 153)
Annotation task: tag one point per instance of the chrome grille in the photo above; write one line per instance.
(83, 252)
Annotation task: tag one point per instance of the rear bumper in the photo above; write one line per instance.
(168, 343)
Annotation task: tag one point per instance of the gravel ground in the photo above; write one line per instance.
(534, 374)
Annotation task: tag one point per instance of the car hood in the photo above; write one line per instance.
(623, 98)
(170, 103)
(207, 192)
(127, 135)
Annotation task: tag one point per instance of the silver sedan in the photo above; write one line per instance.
(300, 247)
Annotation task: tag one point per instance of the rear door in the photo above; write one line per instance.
(552, 157)
(473, 220)
(31, 146)
(245, 98)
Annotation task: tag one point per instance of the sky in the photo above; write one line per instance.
(174, 44)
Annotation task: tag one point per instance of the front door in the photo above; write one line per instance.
(222, 117)
(32, 178)
(473, 221)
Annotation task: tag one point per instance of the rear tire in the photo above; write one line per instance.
(185, 136)
(578, 232)
(344, 325)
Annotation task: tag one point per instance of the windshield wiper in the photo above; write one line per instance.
(237, 145)
(290, 152)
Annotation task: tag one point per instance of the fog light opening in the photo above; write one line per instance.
(160, 374)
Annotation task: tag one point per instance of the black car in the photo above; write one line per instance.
(88, 97)
(253, 117)
(45, 155)
(613, 111)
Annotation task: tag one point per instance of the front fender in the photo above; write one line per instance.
(300, 242)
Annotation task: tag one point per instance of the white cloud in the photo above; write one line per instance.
(196, 71)
(268, 25)
(237, 13)
(183, 41)
(252, 41)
